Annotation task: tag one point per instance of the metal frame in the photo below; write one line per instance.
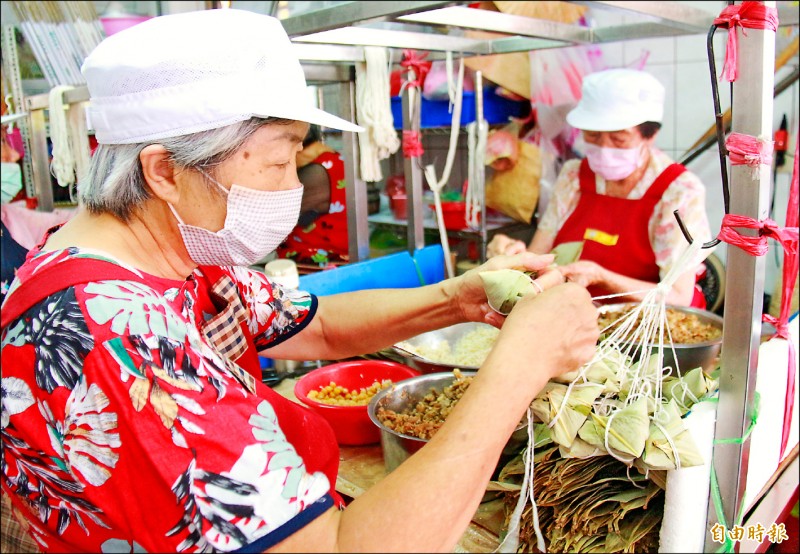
(337, 35)
(752, 109)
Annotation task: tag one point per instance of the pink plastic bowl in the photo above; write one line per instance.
(351, 424)
(113, 25)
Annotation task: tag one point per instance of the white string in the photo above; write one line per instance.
(435, 184)
(633, 338)
(63, 164)
(374, 112)
(71, 153)
(475, 196)
(511, 541)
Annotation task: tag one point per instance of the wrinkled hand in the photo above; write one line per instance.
(556, 331)
(502, 245)
(470, 295)
(584, 273)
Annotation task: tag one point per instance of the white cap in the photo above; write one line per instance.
(180, 74)
(617, 99)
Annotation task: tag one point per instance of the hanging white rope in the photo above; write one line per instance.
(435, 184)
(70, 141)
(477, 134)
(511, 541)
(374, 112)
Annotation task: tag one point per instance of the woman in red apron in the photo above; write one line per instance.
(320, 236)
(619, 200)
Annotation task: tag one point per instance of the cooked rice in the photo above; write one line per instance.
(469, 351)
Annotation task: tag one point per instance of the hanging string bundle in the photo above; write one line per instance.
(373, 109)
(477, 135)
(435, 184)
(68, 132)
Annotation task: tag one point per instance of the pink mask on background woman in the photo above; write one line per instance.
(613, 164)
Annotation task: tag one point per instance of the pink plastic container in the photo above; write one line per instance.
(113, 25)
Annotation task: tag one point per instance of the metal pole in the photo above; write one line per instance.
(12, 69)
(752, 108)
(40, 159)
(479, 123)
(356, 190)
(413, 173)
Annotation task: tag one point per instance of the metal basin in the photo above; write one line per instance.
(689, 356)
(397, 447)
(450, 335)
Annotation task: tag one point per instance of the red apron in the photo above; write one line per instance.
(310, 434)
(614, 231)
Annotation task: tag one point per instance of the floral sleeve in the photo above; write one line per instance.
(687, 195)
(275, 313)
(564, 199)
(123, 429)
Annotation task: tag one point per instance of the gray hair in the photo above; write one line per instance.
(115, 182)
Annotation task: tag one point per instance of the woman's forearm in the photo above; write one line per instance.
(369, 320)
(541, 243)
(445, 473)
(429, 500)
(426, 503)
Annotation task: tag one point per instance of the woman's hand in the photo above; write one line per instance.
(470, 297)
(555, 331)
(584, 273)
(502, 245)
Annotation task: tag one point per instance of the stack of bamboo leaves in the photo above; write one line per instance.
(586, 505)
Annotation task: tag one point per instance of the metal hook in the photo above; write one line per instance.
(723, 150)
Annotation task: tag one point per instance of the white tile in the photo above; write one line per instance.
(712, 7)
(692, 48)
(613, 54)
(665, 74)
(661, 51)
(694, 105)
(598, 17)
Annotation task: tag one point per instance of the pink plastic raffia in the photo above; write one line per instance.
(790, 267)
(413, 62)
(757, 246)
(747, 15)
(412, 146)
(749, 150)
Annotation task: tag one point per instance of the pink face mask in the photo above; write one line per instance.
(613, 164)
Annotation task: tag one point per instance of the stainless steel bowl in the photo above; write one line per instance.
(690, 356)
(397, 447)
(451, 335)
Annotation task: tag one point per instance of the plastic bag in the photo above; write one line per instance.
(435, 85)
(515, 192)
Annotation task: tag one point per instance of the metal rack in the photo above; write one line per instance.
(345, 28)
(331, 40)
